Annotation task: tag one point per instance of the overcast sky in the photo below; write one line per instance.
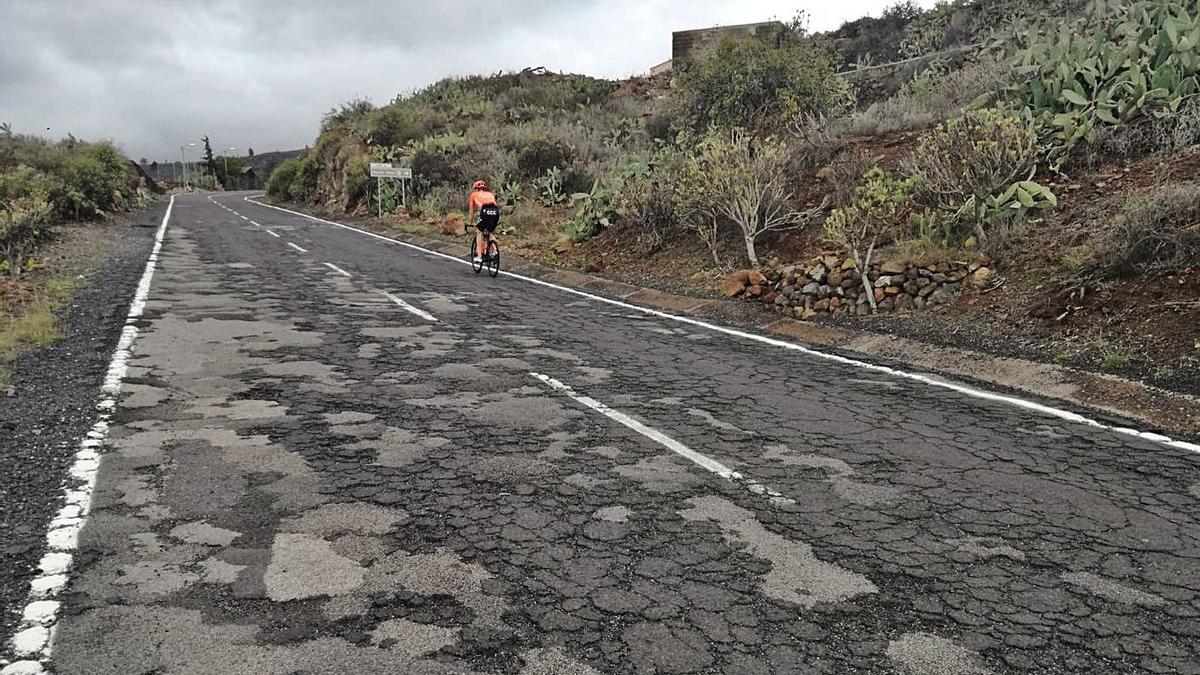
(259, 73)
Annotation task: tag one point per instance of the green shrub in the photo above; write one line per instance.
(304, 181)
(24, 225)
(395, 125)
(660, 127)
(659, 201)
(346, 114)
(79, 180)
(25, 181)
(750, 84)
(356, 179)
(1117, 62)
(437, 168)
(540, 155)
(524, 218)
(975, 171)
(280, 181)
(426, 206)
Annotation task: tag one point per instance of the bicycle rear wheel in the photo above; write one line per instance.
(493, 258)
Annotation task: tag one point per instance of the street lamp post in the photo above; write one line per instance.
(227, 151)
(183, 159)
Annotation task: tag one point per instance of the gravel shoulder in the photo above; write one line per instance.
(55, 388)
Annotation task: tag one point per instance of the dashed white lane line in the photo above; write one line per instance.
(409, 308)
(270, 232)
(335, 268)
(702, 461)
(1014, 401)
(255, 224)
(302, 250)
(32, 642)
(241, 216)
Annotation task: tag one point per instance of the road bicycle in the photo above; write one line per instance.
(491, 258)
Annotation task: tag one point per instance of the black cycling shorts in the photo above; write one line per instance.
(489, 218)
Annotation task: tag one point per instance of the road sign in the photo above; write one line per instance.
(380, 170)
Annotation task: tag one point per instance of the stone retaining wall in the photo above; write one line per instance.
(833, 285)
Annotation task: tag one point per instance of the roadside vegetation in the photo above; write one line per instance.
(1042, 137)
(44, 186)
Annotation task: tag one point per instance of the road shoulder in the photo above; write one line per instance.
(54, 393)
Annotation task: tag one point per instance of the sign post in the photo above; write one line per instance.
(381, 171)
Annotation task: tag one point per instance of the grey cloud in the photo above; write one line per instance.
(153, 75)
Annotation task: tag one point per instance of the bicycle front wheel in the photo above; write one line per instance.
(493, 258)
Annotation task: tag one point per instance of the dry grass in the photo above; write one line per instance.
(922, 252)
(1160, 231)
(35, 327)
(34, 324)
(931, 97)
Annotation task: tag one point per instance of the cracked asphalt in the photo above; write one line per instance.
(303, 476)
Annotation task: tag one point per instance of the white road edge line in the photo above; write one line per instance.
(34, 637)
(917, 377)
(337, 269)
(407, 307)
(702, 461)
(273, 234)
(302, 250)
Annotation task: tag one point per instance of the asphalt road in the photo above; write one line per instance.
(333, 454)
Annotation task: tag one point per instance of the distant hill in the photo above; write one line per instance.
(266, 162)
(263, 164)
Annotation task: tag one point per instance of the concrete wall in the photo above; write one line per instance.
(690, 46)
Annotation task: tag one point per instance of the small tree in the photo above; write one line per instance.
(210, 165)
(747, 186)
(877, 217)
(249, 152)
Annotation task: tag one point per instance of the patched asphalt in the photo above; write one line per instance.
(305, 477)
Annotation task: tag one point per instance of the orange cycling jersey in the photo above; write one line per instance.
(480, 198)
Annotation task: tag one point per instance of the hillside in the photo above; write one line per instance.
(1057, 157)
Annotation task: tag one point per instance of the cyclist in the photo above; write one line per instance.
(482, 210)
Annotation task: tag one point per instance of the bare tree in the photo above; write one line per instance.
(748, 186)
(876, 217)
